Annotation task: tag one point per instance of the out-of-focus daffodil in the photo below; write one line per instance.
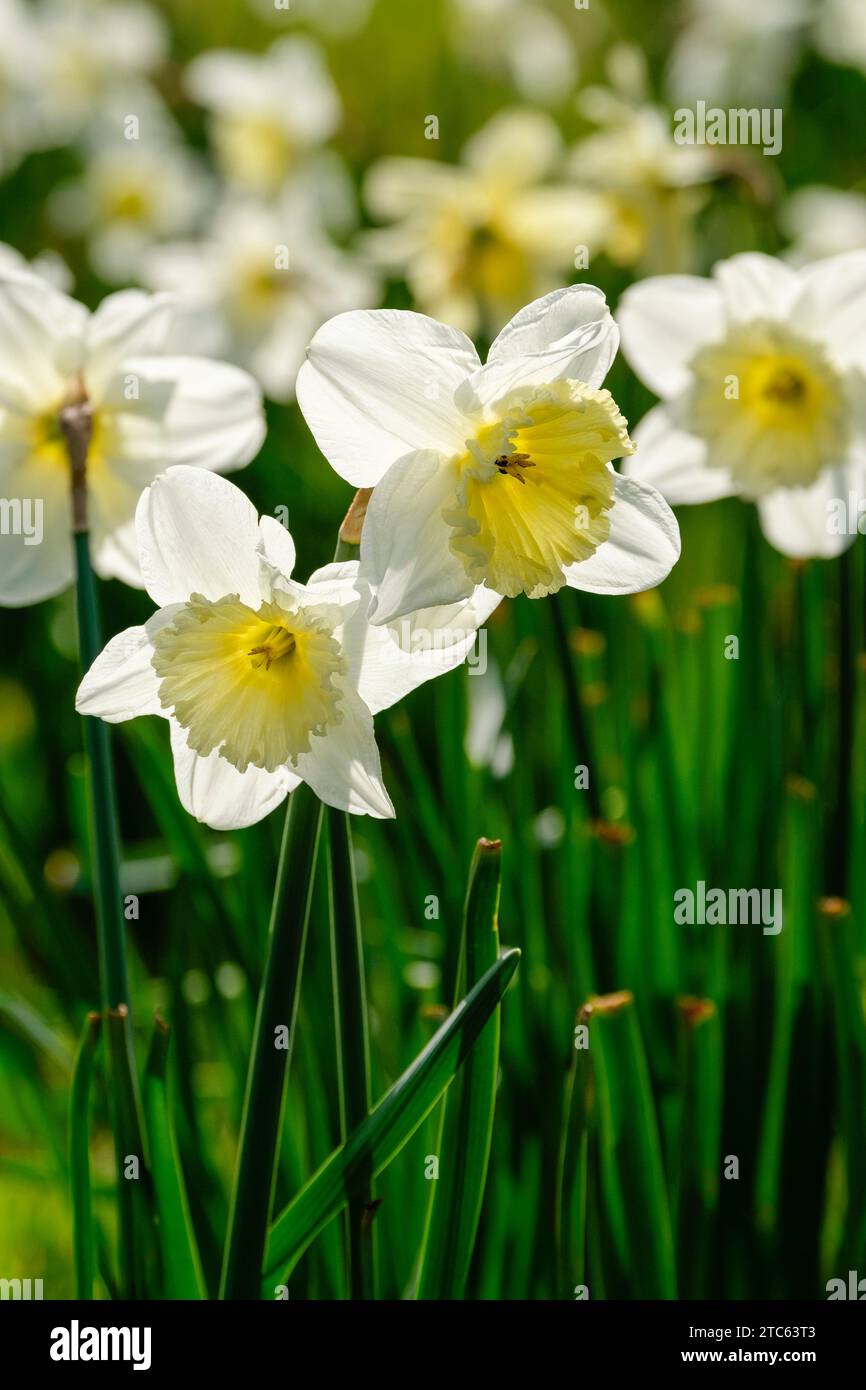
(260, 285)
(497, 474)
(651, 185)
(521, 38)
(736, 50)
(133, 192)
(761, 374)
(146, 408)
(265, 682)
(268, 111)
(478, 239)
(823, 222)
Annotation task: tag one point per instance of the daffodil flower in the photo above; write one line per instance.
(498, 474)
(267, 110)
(479, 238)
(761, 374)
(265, 682)
(261, 283)
(147, 409)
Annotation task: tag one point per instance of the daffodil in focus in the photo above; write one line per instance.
(761, 374)
(497, 475)
(146, 407)
(267, 111)
(258, 287)
(265, 682)
(478, 239)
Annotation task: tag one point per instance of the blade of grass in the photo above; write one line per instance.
(182, 1272)
(637, 1237)
(572, 1170)
(699, 1143)
(353, 1046)
(387, 1128)
(137, 1247)
(269, 1063)
(466, 1126)
(79, 1156)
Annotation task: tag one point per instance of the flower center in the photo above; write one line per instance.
(771, 407)
(555, 442)
(256, 684)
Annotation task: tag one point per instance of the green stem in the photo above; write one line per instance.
(353, 1045)
(105, 837)
(75, 424)
(574, 706)
(272, 1049)
(79, 1156)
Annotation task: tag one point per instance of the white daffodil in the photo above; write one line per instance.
(147, 407)
(497, 474)
(265, 682)
(132, 194)
(89, 48)
(823, 222)
(840, 32)
(260, 285)
(520, 37)
(267, 110)
(736, 50)
(25, 123)
(478, 239)
(761, 374)
(650, 184)
(46, 266)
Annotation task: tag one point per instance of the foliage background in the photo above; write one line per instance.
(742, 773)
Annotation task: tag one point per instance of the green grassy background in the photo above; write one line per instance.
(745, 773)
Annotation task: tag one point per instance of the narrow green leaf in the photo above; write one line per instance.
(382, 1135)
(136, 1237)
(637, 1236)
(182, 1271)
(353, 1044)
(79, 1156)
(699, 1143)
(573, 1164)
(467, 1121)
(271, 1054)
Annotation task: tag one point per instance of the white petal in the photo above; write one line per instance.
(38, 564)
(756, 286)
(663, 322)
(405, 552)
(517, 146)
(41, 342)
(129, 324)
(833, 306)
(122, 684)
(796, 520)
(674, 462)
(641, 550)
(388, 662)
(197, 534)
(566, 334)
(378, 383)
(188, 411)
(216, 793)
(343, 766)
(277, 545)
